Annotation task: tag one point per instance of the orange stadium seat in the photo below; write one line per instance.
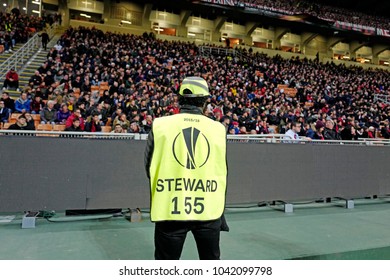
(44, 127)
(95, 88)
(109, 121)
(292, 92)
(13, 118)
(6, 125)
(76, 93)
(259, 74)
(106, 128)
(103, 86)
(36, 118)
(59, 127)
(275, 128)
(282, 86)
(308, 105)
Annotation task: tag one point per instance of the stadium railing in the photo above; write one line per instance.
(240, 138)
(19, 58)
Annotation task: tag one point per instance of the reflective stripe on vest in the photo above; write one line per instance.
(188, 169)
(8, 27)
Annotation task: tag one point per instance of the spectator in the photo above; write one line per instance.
(262, 127)
(385, 130)
(74, 115)
(29, 121)
(329, 132)
(93, 124)
(37, 105)
(22, 104)
(134, 127)
(75, 127)
(35, 80)
(48, 78)
(309, 131)
(11, 80)
(8, 101)
(15, 11)
(49, 114)
(147, 123)
(122, 120)
(118, 129)
(63, 114)
(106, 111)
(45, 39)
(349, 133)
(4, 112)
(21, 124)
(318, 135)
(332, 90)
(58, 46)
(292, 134)
(371, 132)
(273, 118)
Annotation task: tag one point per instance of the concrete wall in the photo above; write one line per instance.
(108, 27)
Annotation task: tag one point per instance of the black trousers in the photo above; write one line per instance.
(169, 239)
(9, 84)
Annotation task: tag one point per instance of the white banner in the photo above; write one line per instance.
(382, 32)
(222, 2)
(355, 27)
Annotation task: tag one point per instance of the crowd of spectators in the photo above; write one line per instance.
(17, 27)
(325, 12)
(144, 75)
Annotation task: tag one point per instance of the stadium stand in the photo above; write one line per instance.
(317, 9)
(142, 82)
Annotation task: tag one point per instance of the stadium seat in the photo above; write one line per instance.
(59, 127)
(275, 128)
(76, 93)
(44, 127)
(6, 125)
(308, 105)
(106, 128)
(37, 119)
(109, 122)
(282, 86)
(13, 118)
(95, 88)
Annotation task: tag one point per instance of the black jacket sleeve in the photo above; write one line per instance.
(149, 152)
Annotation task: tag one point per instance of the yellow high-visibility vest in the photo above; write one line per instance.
(188, 171)
(8, 26)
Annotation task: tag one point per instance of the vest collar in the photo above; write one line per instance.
(190, 109)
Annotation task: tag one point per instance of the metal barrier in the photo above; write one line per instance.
(71, 134)
(19, 58)
(280, 138)
(50, 170)
(240, 138)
